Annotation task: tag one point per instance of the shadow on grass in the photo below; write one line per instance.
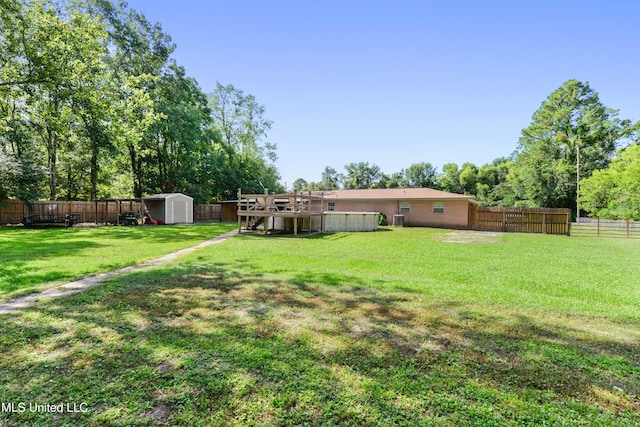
(201, 344)
(23, 251)
(17, 271)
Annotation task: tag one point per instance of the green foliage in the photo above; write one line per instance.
(300, 184)
(241, 122)
(89, 91)
(420, 175)
(487, 183)
(362, 175)
(614, 192)
(468, 178)
(19, 178)
(179, 138)
(491, 181)
(382, 219)
(330, 179)
(572, 118)
(450, 179)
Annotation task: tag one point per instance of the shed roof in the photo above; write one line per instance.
(166, 196)
(395, 194)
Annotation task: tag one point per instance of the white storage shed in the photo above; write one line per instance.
(171, 208)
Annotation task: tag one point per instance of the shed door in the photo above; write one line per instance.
(179, 211)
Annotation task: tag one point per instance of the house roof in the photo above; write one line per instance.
(395, 194)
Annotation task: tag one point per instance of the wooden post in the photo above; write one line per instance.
(239, 195)
(628, 230)
(246, 215)
(322, 212)
(295, 213)
(544, 223)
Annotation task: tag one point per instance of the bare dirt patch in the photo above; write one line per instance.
(471, 236)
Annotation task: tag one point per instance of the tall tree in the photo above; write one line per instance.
(88, 88)
(396, 180)
(361, 176)
(421, 174)
(68, 47)
(94, 100)
(179, 136)
(242, 124)
(571, 119)
(330, 179)
(300, 184)
(139, 52)
(491, 181)
(449, 180)
(241, 121)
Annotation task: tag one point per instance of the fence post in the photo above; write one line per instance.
(628, 231)
(239, 207)
(598, 226)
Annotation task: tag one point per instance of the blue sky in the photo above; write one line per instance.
(400, 82)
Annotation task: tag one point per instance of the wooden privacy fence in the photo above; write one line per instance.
(101, 211)
(207, 212)
(520, 220)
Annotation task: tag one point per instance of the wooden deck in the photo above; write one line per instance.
(280, 213)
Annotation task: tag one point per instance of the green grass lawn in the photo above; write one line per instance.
(33, 259)
(398, 327)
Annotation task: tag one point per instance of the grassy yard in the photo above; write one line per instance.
(33, 259)
(400, 327)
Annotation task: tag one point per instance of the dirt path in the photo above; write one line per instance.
(90, 282)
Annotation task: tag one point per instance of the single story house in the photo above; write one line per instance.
(422, 207)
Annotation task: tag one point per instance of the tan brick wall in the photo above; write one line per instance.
(456, 213)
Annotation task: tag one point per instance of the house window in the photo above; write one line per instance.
(405, 207)
(331, 206)
(438, 208)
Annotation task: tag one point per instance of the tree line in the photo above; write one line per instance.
(573, 143)
(92, 105)
(483, 182)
